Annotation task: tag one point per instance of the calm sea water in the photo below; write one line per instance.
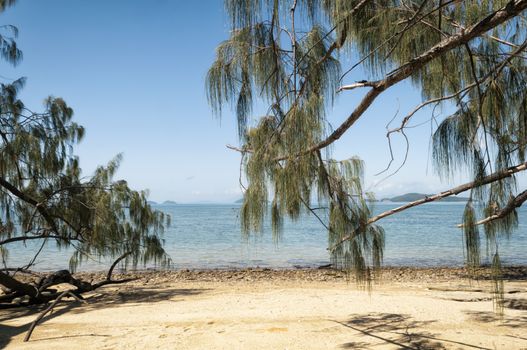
(208, 236)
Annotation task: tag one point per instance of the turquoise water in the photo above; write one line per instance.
(208, 236)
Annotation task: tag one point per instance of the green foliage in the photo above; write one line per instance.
(471, 233)
(45, 197)
(8, 33)
(43, 194)
(288, 55)
(349, 213)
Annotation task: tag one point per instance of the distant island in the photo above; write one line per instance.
(407, 197)
(410, 197)
(164, 203)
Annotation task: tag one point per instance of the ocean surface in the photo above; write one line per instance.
(208, 236)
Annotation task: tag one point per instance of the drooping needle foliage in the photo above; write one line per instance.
(44, 197)
(291, 57)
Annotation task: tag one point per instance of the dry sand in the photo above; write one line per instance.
(262, 309)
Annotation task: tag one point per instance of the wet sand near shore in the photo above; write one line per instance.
(409, 308)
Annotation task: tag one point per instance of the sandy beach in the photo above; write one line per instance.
(288, 309)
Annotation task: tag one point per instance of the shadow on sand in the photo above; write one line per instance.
(397, 330)
(122, 297)
(517, 321)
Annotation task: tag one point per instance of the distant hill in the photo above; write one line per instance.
(169, 203)
(410, 197)
(407, 197)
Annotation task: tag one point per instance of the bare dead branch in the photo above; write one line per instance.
(48, 309)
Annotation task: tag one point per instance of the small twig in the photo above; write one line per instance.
(391, 161)
(237, 149)
(32, 262)
(390, 140)
(240, 175)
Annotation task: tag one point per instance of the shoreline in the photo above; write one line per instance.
(386, 274)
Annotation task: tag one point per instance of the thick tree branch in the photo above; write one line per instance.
(514, 203)
(491, 21)
(48, 309)
(28, 199)
(512, 9)
(16, 286)
(41, 292)
(453, 191)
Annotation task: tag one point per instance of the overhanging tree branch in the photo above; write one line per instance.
(499, 175)
(491, 74)
(15, 191)
(514, 203)
(28, 238)
(512, 9)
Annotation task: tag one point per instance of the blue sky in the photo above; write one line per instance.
(134, 70)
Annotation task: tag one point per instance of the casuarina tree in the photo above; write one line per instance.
(45, 199)
(292, 57)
